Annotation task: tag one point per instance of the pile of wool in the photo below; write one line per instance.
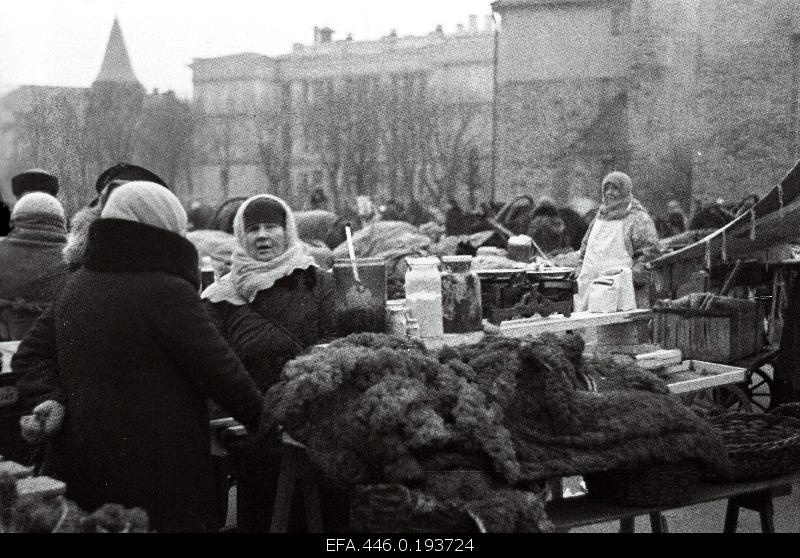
(372, 408)
(35, 514)
(561, 427)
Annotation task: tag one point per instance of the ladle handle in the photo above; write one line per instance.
(352, 253)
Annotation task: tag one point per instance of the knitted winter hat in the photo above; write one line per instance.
(37, 202)
(264, 210)
(34, 180)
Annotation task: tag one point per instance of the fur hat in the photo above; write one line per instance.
(34, 180)
(129, 173)
(264, 210)
(37, 202)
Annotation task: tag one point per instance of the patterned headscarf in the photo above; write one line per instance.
(248, 275)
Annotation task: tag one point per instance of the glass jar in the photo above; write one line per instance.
(423, 288)
(520, 248)
(207, 274)
(461, 295)
(396, 317)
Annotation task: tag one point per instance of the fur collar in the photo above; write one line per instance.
(121, 245)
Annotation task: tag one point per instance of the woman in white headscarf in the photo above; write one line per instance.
(137, 359)
(272, 306)
(275, 302)
(622, 235)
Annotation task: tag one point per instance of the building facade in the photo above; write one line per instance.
(694, 99)
(339, 114)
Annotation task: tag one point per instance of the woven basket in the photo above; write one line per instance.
(759, 445)
(656, 485)
(787, 410)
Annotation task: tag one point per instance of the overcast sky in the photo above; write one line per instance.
(61, 42)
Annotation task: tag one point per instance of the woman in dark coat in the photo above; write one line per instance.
(274, 303)
(272, 306)
(137, 357)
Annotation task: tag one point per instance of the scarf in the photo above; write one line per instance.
(147, 203)
(611, 211)
(248, 276)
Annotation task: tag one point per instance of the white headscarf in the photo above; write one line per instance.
(248, 276)
(147, 203)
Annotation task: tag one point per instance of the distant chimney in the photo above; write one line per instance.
(349, 37)
(460, 28)
(155, 91)
(297, 46)
(439, 30)
(325, 35)
(488, 24)
(393, 33)
(473, 23)
(316, 34)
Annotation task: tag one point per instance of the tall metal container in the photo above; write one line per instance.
(360, 308)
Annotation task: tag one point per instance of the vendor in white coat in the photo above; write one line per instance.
(622, 235)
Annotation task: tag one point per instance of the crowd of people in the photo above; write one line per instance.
(120, 364)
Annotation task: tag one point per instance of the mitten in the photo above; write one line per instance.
(51, 415)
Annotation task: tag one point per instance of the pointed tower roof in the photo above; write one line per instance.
(116, 66)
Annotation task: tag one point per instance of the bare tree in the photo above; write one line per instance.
(112, 118)
(323, 123)
(446, 147)
(361, 145)
(404, 130)
(163, 137)
(47, 132)
(219, 132)
(274, 151)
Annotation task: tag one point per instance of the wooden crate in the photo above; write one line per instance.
(711, 338)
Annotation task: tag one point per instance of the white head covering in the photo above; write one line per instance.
(248, 276)
(37, 202)
(147, 203)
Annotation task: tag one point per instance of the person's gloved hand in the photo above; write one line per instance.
(45, 421)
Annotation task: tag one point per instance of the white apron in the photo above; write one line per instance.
(605, 250)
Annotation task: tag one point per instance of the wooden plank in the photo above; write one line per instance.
(44, 487)
(15, 469)
(706, 375)
(578, 320)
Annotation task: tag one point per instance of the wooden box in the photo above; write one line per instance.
(712, 338)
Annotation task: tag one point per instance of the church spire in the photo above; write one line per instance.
(116, 66)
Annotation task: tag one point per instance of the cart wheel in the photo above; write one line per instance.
(759, 388)
(722, 399)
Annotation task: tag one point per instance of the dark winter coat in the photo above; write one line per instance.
(5, 219)
(282, 321)
(31, 266)
(136, 357)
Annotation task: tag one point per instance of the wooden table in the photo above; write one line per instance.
(568, 513)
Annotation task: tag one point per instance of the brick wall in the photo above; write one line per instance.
(711, 96)
(541, 125)
(747, 87)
